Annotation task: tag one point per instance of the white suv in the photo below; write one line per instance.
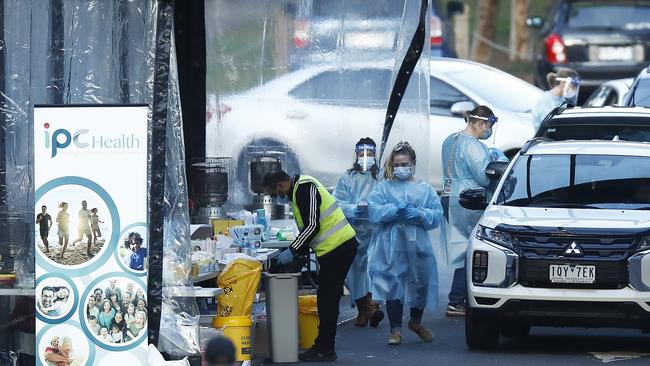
(564, 241)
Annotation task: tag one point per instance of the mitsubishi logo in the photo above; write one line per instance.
(573, 249)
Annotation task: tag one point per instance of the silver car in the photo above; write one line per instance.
(317, 114)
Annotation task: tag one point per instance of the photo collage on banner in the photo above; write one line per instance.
(90, 168)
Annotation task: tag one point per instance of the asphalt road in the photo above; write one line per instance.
(545, 346)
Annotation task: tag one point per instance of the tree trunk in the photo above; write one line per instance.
(519, 30)
(487, 13)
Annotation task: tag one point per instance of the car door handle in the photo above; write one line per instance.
(296, 115)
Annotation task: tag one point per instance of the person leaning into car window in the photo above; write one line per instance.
(565, 86)
(464, 159)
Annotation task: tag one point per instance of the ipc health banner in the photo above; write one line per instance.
(90, 173)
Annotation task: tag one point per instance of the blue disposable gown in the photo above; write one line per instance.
(353, 188)
(467, 171)
(402, 265)
(544, 105)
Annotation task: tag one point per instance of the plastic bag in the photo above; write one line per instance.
(239, 281)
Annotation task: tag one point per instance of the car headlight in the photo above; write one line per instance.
(644, 244)
(498, 237)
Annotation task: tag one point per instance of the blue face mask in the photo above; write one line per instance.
(487, 134)
(403, 172)
(282, 200)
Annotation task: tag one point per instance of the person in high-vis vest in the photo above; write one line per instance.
(323, 228)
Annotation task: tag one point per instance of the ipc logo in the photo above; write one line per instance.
(62, 138)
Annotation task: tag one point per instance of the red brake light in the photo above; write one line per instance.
(301, 33)
(555, 49)
(436, 31)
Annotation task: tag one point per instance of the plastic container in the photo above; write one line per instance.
(282, 314)
(238, 330)
(308, 320)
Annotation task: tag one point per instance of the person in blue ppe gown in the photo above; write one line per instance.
(565, 86)
(351, 193)
(464, 159)
(402, 265)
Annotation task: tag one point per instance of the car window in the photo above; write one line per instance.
(357, 8)
(604, 95)
(442, 96)
(602, 128)
(361, 87)
(641, 96)
(627, 15)
(593, 181)
(499, 89)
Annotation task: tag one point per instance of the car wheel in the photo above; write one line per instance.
(477, 335)
(516, 331)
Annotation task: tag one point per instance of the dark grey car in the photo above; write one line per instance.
(602, 40)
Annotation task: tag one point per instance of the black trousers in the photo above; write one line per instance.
(334, 268)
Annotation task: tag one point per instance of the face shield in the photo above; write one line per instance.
(491, 120)
(365, 156)
(571, 89)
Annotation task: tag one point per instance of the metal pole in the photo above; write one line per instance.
(158, 148)
(3, 121)
(123, 23)
(57, 55)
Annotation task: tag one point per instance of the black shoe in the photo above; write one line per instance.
(376, 317)
(312, 355)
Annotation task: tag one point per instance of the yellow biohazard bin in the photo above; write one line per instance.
(307, 320)
(238, 330)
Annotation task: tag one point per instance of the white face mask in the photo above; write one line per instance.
(366, 163)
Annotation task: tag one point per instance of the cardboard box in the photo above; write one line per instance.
(222, 227)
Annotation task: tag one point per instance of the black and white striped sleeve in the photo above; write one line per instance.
(308, 201)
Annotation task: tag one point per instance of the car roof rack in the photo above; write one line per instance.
(533, 142)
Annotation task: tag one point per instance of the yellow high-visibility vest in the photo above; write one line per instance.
(334, 227)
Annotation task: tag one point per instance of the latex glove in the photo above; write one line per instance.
(285, 257)
(497, 155)
(401, 209)
(361, 212)
(412, 214)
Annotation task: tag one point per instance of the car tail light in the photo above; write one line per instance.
(301, 33)
(555, 49)
(223, 109)
(479, 266)
(436, 31)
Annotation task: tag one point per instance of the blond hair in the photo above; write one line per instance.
(406, 150)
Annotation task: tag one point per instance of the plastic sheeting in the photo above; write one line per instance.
(308, 79)
(88, 51)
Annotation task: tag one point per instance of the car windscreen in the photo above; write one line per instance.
(619, 15)
(578, 181)
(499, 89)
(641, 96)
(358, 8)
(602, 128)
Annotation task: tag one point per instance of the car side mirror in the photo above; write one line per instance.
(455, 7)
(535, 22)
(473, 199)
(459, 108)
(495, 169)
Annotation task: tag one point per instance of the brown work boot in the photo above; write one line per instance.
(375, 315)
(362, 308)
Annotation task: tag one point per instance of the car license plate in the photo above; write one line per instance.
(615, 53)
(565, 273)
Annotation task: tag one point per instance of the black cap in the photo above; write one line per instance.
(273, 178)
(220, 351)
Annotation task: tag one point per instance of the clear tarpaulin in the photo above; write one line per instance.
(303, 81)
(83, 52)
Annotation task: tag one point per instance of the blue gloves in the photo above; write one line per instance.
(497, 155)
(285, 257)
(401, 209)
(412, 214)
